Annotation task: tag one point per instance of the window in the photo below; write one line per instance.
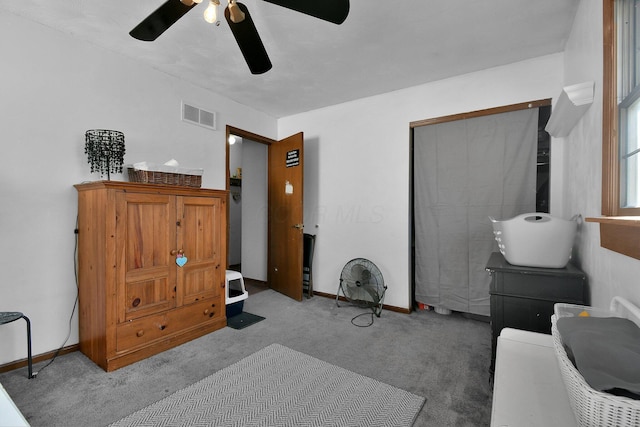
(621, 108)
(620, 224)
(628, 98)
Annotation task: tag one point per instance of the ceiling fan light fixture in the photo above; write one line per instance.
(239, 19)
(235, 13)
(211, 12)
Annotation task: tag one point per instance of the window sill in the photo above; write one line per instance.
(620, 234)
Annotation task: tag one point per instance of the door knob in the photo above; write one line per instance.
(299, 226)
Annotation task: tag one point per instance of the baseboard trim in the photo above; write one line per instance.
(384, 306)
(39, 358)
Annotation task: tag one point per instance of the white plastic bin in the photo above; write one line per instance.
(536, 239)
(235, 293)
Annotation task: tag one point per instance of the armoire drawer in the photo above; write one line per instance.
(159, 326)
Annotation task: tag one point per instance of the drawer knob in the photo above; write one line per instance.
(162, 327)
(140, 333)
(206, 311)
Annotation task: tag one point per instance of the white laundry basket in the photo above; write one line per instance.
(535, 239)
(594, 408)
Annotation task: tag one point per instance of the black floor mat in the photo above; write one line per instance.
(242, 320)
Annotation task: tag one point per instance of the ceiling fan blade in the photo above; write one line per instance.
(161, 19)
(335, 11)
(249, 42)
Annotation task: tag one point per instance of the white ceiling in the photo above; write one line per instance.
(381, 47)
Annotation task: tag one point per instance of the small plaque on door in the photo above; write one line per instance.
(293, 158)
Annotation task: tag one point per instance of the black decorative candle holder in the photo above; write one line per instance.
(105, 151)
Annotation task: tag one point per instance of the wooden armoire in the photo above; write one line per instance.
(151, 268)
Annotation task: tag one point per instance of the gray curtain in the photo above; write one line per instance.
(464, 172)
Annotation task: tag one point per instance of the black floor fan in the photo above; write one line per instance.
(362, 285)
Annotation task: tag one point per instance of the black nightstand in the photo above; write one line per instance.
(523, 297)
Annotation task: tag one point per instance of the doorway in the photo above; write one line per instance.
(248, 208)
(268, 185)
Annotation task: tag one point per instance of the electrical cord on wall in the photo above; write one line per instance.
(75, 303)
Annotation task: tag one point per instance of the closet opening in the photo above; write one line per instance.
(463, 169)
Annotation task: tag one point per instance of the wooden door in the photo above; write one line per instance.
(145, 236)
(286, 215)
(200, 225)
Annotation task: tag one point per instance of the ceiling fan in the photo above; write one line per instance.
(239, 20)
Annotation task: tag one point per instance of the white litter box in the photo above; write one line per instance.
(536, 239)
(235, 293)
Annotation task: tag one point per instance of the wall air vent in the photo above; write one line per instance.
(198, 116)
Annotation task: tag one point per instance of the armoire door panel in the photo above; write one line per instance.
(198, 283)
(148, 297)
(197, 217)
(149, 232)
(199, 237)
(146, 233)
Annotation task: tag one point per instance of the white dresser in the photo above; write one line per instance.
(10, 415)
(528, 389)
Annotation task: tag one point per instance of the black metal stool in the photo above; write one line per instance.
(309, 241)
(11, 316)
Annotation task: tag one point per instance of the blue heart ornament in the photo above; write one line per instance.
(181, 261)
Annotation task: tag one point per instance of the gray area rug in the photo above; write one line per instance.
(277, 386)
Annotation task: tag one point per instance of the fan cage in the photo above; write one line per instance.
(362, 285)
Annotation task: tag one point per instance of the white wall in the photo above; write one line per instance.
(248, 215)
(254, 210)
(235, 206)
(357, 165)
(53, 88)
(609, 273)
